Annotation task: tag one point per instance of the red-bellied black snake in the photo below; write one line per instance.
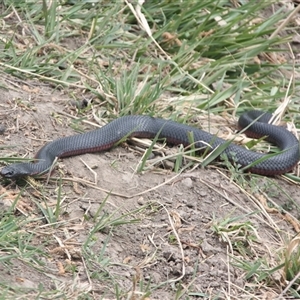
(175, 133)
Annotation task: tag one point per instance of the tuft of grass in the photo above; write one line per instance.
(240, 236)
(259, 271)
(291, 269)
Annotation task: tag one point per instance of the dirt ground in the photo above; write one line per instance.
(167, 204)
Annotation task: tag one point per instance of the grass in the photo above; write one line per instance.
(214, 58)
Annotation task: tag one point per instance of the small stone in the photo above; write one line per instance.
(203, 193)
(189, 270)
(156, 277)
(206, 247)
(168, 165)
(2, 129)
(187, 182)
(141, 201)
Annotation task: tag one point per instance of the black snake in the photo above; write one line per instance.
(174, 133)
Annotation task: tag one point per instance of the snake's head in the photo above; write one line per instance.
(14, 171)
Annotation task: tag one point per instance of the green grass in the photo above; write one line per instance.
(205, 57)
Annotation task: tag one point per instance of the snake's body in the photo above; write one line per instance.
(174, 133)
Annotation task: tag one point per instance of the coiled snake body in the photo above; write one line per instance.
(174, 133)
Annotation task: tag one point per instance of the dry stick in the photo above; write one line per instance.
(293, 60)
(87, 273)
(286, 21)
(228, 271)
(245, 292)
(42, 77)
(293, 221)
(62, 246)
(279, 112)
(88, 183)
(76, 118)
(91, 170)
(179, 243)
(289, 285)
(280, 27)
(17, 15)
(63, 222)
(51, 169)
(224, 196)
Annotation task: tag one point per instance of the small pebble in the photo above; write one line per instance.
(2, 129)
(187, 182)
(206, 247)
(203, 193)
